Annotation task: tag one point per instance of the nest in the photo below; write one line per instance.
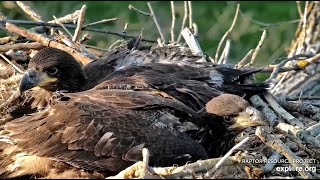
(289, 148)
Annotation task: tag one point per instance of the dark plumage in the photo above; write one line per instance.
(105, 119)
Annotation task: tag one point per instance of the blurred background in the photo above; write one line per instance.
(213, 19)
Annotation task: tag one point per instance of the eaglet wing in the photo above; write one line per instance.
(105, 130)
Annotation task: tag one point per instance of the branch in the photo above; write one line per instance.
(216, 57)
(46, 41)
(138, 10)
(276, 144)
(29, 11)
(271, 116)
(282, 112)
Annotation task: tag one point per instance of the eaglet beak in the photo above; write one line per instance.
(250, 117)
(33, 78)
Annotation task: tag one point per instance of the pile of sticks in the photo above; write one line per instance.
(291, 141)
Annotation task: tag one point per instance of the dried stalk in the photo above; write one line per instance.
(79, 23)
(299, 9)
(57, 21)
(101, 22)
(225, 53)
(184, 20)
(156, 22)
(245, 59)
(190, 13)
(216, 57)
(256, 51)
(173, 16)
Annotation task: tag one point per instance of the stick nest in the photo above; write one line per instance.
(292, 138)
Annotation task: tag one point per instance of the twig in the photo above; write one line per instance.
(282, 112)
(184, 20)
(71, 27)
(216, 57)
(299, 9)
(190, 14)
(276, 144)
(79, 23)
(173, 16)
(12, 64)
(29, 11)
(57, 21)
(156, 22)
(46, 41)
(256, 51)
(209, 173)
(138, 10)
(7, 47)
(101, 22)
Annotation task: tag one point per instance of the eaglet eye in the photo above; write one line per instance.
(52, 71)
